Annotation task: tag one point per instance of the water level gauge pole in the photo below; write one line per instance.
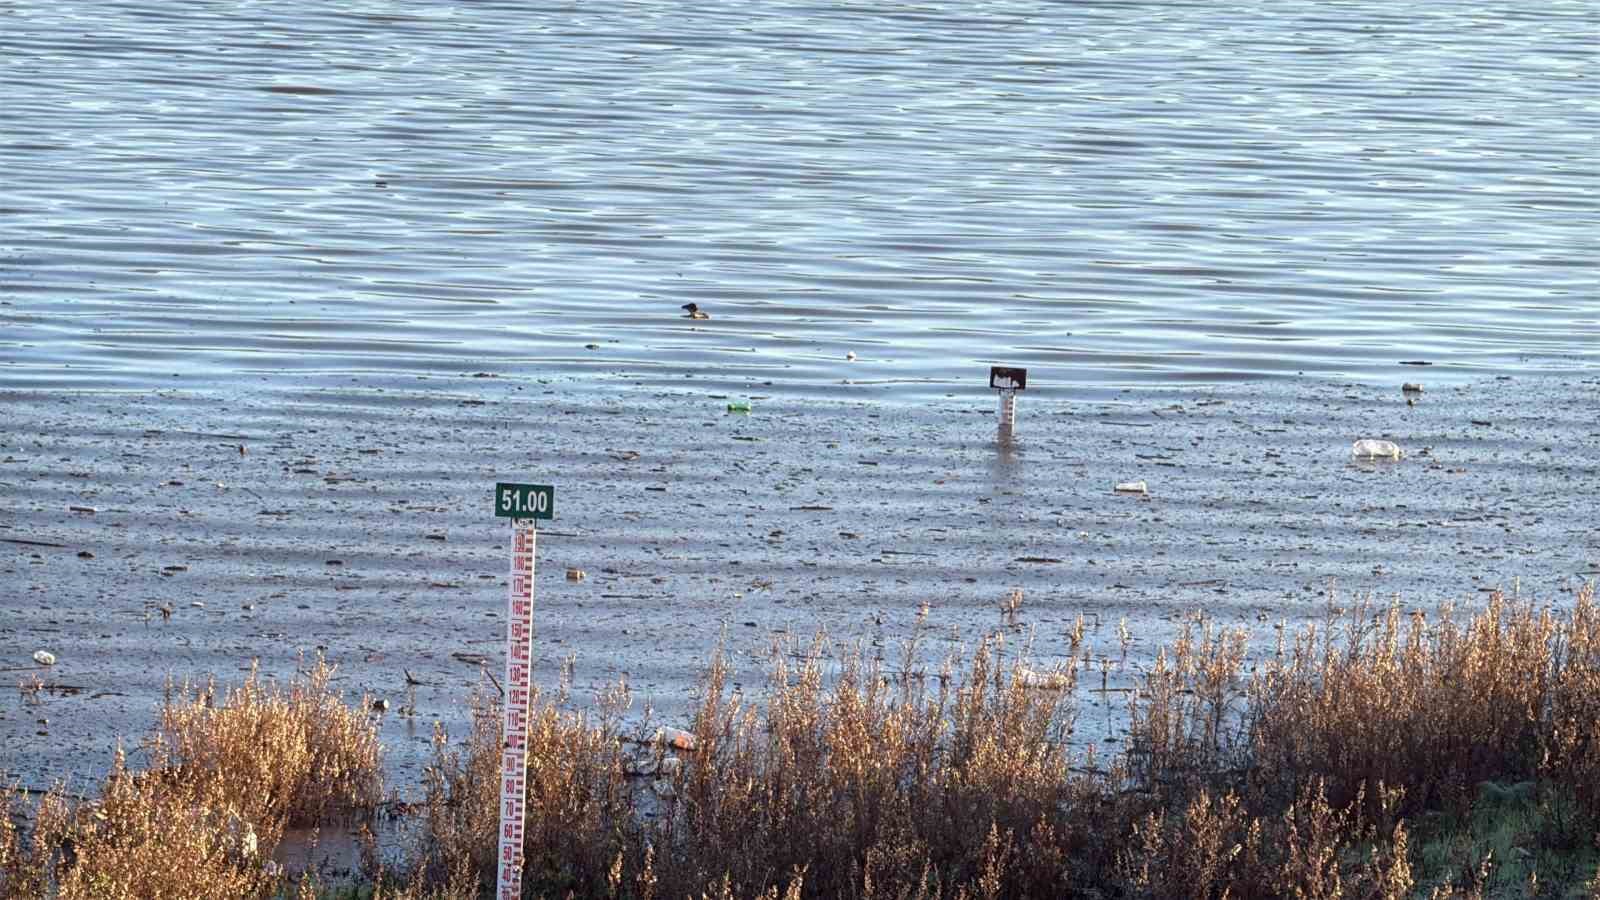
(524, 504)
(1007, 381)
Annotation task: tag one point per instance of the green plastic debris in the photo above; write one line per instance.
(739, 406)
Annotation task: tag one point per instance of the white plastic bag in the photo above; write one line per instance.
(1369, 448)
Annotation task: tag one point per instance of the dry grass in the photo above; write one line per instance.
(1437, 706)
(280, 756)
(874, 786)
(201, 821)
(579, 807)
(1377, 755)
(861, 785)
(1365, 734)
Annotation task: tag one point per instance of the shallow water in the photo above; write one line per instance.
(1106, 193)
(138, 544)
(300, 229)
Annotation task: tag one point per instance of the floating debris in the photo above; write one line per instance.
(1132, 487)
(1011, 604)
(1369, 448)
(44, 657)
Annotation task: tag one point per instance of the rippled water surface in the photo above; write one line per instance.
(1105, 192)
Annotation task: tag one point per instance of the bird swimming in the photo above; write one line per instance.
(693, 311)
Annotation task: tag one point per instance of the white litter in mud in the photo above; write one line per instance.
(677, 738)
(1034, 678)
(1367, 448)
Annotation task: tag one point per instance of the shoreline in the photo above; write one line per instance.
(358, 521)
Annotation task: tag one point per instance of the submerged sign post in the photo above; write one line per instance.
(1007, 381)
(523, 504)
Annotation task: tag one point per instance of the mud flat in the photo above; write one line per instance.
(180, 534)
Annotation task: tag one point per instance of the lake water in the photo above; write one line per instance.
(1107, 193)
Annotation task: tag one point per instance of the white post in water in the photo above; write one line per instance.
(1007, 381)
(1008, 413)
(523, 504)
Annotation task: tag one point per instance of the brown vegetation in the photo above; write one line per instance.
(1377, 755)
(225, 779)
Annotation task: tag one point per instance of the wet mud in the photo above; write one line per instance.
(161, 536)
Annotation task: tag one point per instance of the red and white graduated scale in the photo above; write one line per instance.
(514, 755)
(523, 504)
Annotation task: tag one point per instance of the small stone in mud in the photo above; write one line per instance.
(335, 562)
(84, 554)
(82, 509)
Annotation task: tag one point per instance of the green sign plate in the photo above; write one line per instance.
(524, 501)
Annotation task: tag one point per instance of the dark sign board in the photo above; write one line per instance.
(524, 501)
(1006, 378)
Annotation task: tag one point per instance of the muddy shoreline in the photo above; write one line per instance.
(139, 544)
